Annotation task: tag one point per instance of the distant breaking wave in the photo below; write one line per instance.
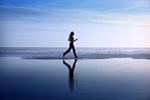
(89, 53)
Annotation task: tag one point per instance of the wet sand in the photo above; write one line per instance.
(69, 79)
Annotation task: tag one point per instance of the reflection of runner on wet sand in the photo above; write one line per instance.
(71, 74)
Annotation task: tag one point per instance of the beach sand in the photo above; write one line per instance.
(84, 79)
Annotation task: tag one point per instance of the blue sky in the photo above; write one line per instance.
(96, 23)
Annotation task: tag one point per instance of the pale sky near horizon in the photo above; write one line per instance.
(96, 23)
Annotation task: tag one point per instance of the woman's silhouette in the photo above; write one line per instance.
(71, 45)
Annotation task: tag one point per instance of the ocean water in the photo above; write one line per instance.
(91, 53)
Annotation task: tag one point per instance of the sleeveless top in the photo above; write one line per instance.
(71, 40)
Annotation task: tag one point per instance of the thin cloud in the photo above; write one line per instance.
(73, 15)
(21, 11)
(138, 4)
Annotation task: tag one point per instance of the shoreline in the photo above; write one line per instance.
(71, 58)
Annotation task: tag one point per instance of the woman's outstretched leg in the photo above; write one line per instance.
(70, 46)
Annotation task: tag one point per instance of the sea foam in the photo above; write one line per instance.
(91, 53)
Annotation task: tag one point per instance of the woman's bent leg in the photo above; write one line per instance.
(74, 51)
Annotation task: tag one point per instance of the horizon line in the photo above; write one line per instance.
(67, 47)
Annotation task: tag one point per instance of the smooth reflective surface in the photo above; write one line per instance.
(105, 79)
